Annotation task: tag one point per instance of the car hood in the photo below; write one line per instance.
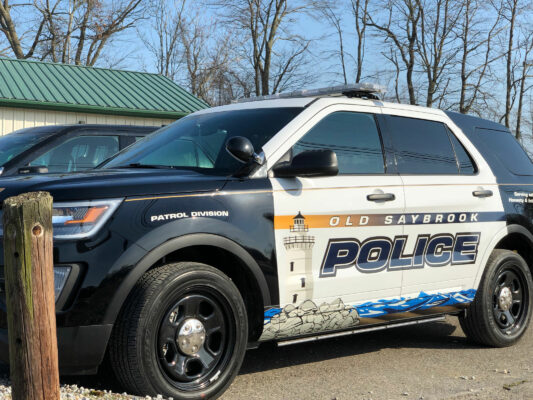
(111, 183)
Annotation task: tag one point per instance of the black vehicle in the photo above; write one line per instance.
(64, 148)
(288, 220)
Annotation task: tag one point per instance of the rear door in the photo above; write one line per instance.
(452, 208)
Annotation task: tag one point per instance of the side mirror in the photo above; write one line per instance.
(34, 169)
(242, 149)
(310, 163)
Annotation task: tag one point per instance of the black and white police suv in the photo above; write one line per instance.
(287, 219)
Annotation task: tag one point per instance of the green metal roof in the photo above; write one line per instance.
(64, 87)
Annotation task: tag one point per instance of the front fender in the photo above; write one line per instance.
(156, 252)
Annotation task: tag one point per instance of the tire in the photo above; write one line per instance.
(498, 317)
(158, 346)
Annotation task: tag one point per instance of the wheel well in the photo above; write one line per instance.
(235, 269)
(520, 244)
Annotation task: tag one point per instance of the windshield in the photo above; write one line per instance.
(198, 141)
(13, 144)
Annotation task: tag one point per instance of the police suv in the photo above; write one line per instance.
(290, 219)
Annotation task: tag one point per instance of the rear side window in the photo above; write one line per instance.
(422, 147)
(507, 149)
(354, 137)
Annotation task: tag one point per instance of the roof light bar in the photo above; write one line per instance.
(361, 90)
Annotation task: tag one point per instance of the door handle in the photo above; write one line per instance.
(381, 197)
(482, 193)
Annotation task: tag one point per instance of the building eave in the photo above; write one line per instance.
(80, 108)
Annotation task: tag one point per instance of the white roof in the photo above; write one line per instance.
(326, 100)
(278, 103)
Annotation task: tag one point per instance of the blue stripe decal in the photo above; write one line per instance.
(423, 301)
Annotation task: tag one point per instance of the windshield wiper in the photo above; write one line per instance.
(139, 165)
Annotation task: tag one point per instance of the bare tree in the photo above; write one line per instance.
(330, 13)
(400, 26)
(69, 31)
(205, 64)
(509, 10)
(167, 16)
(435, 43)
(527, 63)
(266, 28)
(476, 50)
(360, 14)
(9, 29)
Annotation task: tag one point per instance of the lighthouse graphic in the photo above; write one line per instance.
(299, 246)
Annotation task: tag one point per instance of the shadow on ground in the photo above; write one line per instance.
(268, 356)
(431, 336)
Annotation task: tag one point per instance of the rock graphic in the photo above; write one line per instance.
(309, 318)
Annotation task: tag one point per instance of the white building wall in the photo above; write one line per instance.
(12, 119)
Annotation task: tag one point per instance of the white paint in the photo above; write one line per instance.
(346, 194)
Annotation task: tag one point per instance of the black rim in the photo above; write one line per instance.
(193, 372)
(510, 318)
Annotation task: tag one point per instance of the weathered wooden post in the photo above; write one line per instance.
(29, 276)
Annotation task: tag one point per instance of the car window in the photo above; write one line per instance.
(466, 165)
(78, 154)
(354, 137)
(15, 143)
(507, 149)
(422, 147)
(185, 152)
(198, 141)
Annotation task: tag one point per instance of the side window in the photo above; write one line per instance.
(354, 137)
(78, 154)
(507, 149)
(422, 147)
(466, 165)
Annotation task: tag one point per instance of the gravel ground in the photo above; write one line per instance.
(431, 361)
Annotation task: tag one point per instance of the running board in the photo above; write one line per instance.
(361, 330)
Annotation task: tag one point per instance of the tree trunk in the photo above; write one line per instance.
(31, 317)
(509, 83)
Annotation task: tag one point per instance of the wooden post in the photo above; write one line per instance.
(31, 318)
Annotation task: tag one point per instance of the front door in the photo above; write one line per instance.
(333, 242)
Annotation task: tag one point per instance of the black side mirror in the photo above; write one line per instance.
(310, 163)
(34, 169)
(242, 150)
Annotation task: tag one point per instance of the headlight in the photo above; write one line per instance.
(79, 219)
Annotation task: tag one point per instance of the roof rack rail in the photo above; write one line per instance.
(359, 90)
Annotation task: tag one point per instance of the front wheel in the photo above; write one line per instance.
(501, 310)
(182, 333)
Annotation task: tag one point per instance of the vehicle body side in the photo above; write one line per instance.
(230, 223)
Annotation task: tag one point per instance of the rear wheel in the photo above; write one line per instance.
(182, 333)
(501, 310)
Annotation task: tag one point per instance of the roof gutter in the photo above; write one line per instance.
(127, 112)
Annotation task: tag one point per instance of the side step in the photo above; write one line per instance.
(361, 330)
